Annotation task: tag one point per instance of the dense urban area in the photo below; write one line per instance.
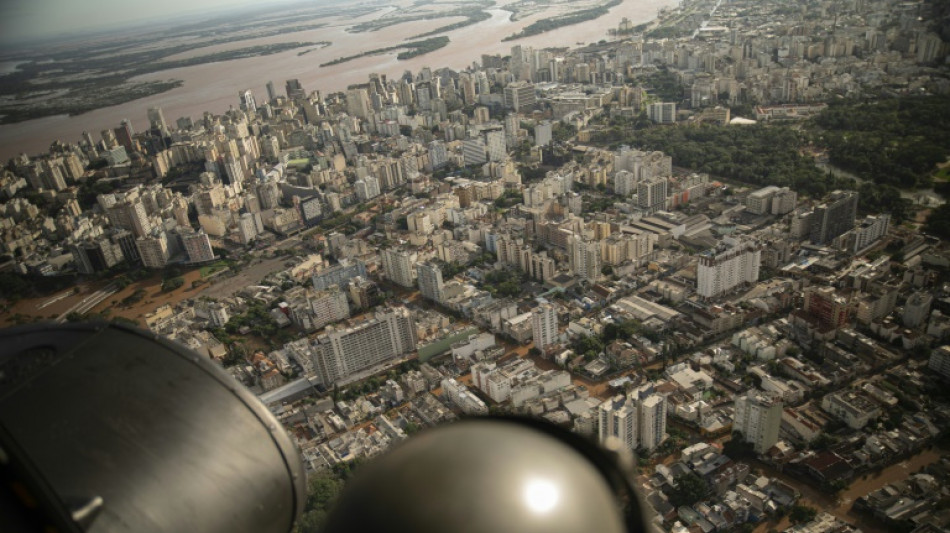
(719, 237)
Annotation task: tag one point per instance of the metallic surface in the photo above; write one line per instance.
(482, 475)
(165, 438)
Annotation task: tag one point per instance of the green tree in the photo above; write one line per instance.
(688, 489)
(802, 513)
(170, 284)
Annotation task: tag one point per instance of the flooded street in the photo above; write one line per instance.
(214, 86)
(841, 506)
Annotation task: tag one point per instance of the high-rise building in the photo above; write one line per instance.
(758, 418)
(295, 91)
(328, 306)
(132, 216)
(124, 135)
(438, 157)
(497, 149)
(728, 265)
(519, 95)
(153, 250)
(834, 217)
(917, 309)
(662, 112)
(651, 194)
(625, 183)
(940, 361)
(358, 104)
(544, 325)
(342, 352)
(197, 246)
(366, 188)
(398, 266)
(339, 275)
(585, 258)
(431, 286)
(247, 227)
(98, 255)
(271, 91)
(543, 133)
(638, 418)
(474, 151)
(248, 103)
(234, 172)
(156, 120)
(830, 308)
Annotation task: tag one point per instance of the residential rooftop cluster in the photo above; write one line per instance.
(446, 243)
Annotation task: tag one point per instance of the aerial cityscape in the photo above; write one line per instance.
(715, 230)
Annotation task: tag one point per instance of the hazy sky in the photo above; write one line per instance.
(27, 20)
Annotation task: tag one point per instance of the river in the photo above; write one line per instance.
(214, 86)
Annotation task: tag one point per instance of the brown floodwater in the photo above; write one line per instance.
(214, 86)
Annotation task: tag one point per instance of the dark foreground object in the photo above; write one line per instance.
(485, 475)
(105, 428)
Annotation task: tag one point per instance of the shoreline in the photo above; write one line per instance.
(213, 87)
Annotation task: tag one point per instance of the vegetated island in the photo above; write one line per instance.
(553, 23)
(413, 49)
(74, 97)
(320, 44)
(474, 13)
(225, 55)
(474, 18)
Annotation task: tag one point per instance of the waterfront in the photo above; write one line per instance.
(214, 86)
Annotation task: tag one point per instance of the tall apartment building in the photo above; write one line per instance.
(830, 308)
(153, 250)
(758, 418)
(343, 352)
(727, 266)
(197, 245)
(651, 194)
(585, 258)
(431, 286)
(519, 95)
(398, 266)
(295, 91)
(543, 133)
(495, 142)
(638, 418)
(625, 183)
(940, 361)
(247, 101)
(834, 217)
(474, 151)
(328, 306)
(544, 325)
(96, 255)
(357, 103)
(662, 112)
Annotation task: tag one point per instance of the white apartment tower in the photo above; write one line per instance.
(758, 418)
(585, 258)
(398, 266)
(651, 194)
(431, 286)
(342, 352)
(727, 266)
(638, 418)
(544, 325)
